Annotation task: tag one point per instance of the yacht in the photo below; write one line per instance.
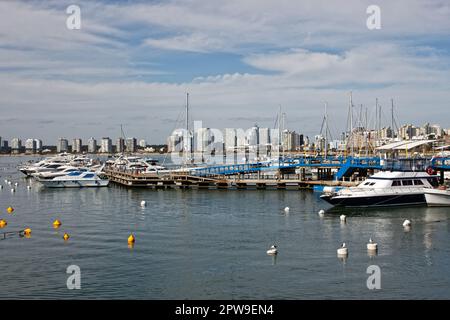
(385, 188)
(53, 164)
(439, 197)
(61, 171)
(143, 165)
(75, 179)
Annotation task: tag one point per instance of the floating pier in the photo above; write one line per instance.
(184, 180)
(287, 174)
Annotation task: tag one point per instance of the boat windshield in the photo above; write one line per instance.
(74, 174)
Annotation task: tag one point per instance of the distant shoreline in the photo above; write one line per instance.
(77, 154)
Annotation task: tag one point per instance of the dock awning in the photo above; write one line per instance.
(411, 145)
(404, 145)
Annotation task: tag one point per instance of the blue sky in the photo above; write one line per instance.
(133, 61)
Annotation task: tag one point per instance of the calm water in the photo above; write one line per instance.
(208, 244)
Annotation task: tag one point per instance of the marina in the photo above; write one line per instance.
(217, 157)
(211, 244)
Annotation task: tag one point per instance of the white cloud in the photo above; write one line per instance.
(307, 52)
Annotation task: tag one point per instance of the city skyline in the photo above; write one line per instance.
(239, 60)
(229, 139)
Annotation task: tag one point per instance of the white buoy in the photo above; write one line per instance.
(16, 184)
(272, 251)
(13, 190)
(143, 203)
(343, 250)
(29, 187)
(407, 223)
(286, 210)
(9, 182)
(372, 246)
(321, 213)
(343, 218)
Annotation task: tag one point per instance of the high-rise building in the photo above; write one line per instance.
(16, 145)
(302, 140)
(30, 146)
(39, 145)
(120, 145)
(264, 137)
(92, 145)
(77, 145)
(175, 142)
(131, 144)
(230, 140)
(106, 145)
(253, 136)
(142, 143)
(203, 139)
(63, 145)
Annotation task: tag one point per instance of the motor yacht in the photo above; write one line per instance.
(385, 188)
(438, 197)
(75, 179)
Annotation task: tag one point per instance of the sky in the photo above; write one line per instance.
(132, 62)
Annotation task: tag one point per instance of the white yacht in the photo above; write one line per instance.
(439, 197)
(137, 163)
(57, 163)
(385, 188)
(61, 171)
(75, 179)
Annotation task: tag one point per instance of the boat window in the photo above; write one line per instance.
(74, 174)
(418, 183)
(372, 183)
(367, 183)
(407, 182)
(434, 182)
(396, 183)
(89, 175)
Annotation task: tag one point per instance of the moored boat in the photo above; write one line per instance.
(76, 179)
(385, 188)
(438, 197)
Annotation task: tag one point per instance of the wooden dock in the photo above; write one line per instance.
(182, 180)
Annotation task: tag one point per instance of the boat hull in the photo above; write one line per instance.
(437, 198)
(406, 199)
(74, 184)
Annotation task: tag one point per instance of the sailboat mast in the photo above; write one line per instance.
(351, 123)
(187, 112)
(188, 136)
(326, 129)
(392, 118)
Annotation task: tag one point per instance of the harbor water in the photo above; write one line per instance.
(211, 244)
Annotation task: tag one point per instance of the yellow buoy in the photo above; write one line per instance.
(66, 237)
(3, 223)
(27, 232)
(10, 210)
(57, 224)
(131, 239)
